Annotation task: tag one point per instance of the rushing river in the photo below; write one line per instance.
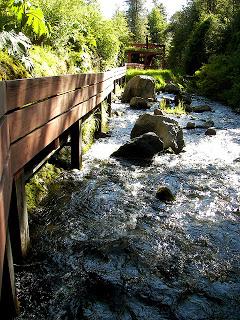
(104, 247)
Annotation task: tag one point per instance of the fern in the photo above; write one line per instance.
(16, 45)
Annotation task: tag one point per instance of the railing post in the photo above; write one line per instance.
(18, 218)
(114, 86)
(76, 145)
(8, 305)
(109, 102)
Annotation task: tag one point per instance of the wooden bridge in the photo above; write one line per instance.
(36, 118)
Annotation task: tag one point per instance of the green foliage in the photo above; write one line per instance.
(137, 20)
(37, 188)
(10, 68)
(24, 16)
(195, 54)
(157, 24)
(17, 45)
(220, 79)
(48, 62)
(162, 77)
(178, 110)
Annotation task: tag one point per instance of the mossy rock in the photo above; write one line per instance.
(165, 194)
(11, 69)
(37, 187)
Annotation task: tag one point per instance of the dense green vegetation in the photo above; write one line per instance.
(206, 43)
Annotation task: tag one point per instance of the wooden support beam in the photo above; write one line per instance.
(114, 86)
(8, 304)
(109, 102)
(18, 219)
(76, 145)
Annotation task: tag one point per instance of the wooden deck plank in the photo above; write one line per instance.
(4, 143)
(5, 197)
(29, 146)
(25, 91)
(2, 98)
(26, 120)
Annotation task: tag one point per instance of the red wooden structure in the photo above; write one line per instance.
(144, 54)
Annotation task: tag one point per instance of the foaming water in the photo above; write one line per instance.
(108, 249)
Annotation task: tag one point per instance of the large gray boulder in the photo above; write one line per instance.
(139, 86)
(165, 128)
(143, 147)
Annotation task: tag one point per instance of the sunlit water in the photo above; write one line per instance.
(105, 248)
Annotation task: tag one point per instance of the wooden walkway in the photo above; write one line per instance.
(36, 117)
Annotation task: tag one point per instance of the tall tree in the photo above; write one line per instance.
(136, 19)
(157, 24)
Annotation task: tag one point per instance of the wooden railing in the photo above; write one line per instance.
(34, 113)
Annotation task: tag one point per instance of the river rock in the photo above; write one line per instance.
(188, 108)
(167, 130)
(165, 194)
(186, 98)
(139, 103)
(139, 86)
(190, 125)
(211, 132)
(200, 109)
(172, 88)
(158, 112)
(143, 147)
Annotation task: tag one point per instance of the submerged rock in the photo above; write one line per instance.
(165, 128)
(139, 86)
(211, 132)
(188, 108)
(165, 194)
(190, 125)
(143, 147)
(208, 124)
(186, 98)
(158, 112)
(139, 103)
(200, 109)
(172, 88)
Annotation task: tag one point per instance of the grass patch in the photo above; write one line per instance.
(179, 109)
(161, 76)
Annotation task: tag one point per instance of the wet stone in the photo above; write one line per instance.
(210, 132)
(165, 194)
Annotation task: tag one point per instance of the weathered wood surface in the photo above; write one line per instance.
(25, 120)
(4, 143)
(25, 91)
(26, 148)
(5, 197)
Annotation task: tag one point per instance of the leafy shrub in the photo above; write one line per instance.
(47, 62)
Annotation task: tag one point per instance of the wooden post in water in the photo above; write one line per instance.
(114, 86)
(109, 102)
(18, 218)
(76, 145)
(8, 303)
